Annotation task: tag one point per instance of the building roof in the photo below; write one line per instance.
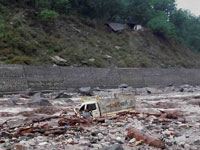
(117, 26)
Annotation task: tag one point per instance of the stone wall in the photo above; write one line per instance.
(19, 78)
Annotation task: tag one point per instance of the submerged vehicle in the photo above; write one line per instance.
(106, 106)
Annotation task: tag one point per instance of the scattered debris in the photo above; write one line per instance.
(172, 116)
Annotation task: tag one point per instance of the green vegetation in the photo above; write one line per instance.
(48, 15)
(160, 25)
(187, 28)
(161, 16)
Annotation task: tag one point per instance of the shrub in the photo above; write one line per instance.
(20, 60)
(48, 15)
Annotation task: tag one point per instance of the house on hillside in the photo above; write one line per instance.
(120, 27)
(116, 27)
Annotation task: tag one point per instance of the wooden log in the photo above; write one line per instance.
(139, 136)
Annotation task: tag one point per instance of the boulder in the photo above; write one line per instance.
(19, 147)
(123, 86)
(37, 100)
(86, 91)
(29, 92)
(58, 59)
(62, 95)
(13, 123)
(13, 100)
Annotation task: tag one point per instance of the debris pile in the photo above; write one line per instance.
(162, 120)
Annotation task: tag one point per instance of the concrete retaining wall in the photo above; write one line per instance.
(19, 78)
(12, 78)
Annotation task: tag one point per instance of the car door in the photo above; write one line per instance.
(93, 108)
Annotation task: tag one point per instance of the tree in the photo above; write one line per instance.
(160, 24)
(101, 9)
(187, 28)
(139, 11)
(167, 6)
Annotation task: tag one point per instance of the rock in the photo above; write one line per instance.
(19, 147)
(91, 60)
(15, 123)
(94, 133)
(29, 92)
(169, 89)
(130, 120)
(71, 90)
(100, 135)
(58, 59)
(68, 101)
(181, 90)
(109, 121)
(37, 100)
(195, 102)
(86, 114)
(62, 95)
(97, 146)
(119, 140)
(70, 140)
(1, 95)
(7, 145)
(3, 58)
(84, 142)
(123, 86)
(5, 135)
(93, 140)
(148, 90)
(186, 88)
(132, 140)
(197, 142)
(13, 100)
(107, 56)
(119, 124)
(153, 90)
(43, 143)
(86, 91)
(181, 139)
(117, 47)
(97, 89)
(114, 147)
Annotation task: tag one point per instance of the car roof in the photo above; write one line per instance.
(89, 102)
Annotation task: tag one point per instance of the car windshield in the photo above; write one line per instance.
(82, 108)
(91, 107)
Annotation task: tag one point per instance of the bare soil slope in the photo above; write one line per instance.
(25, 39)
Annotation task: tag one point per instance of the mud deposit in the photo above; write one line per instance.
(163, 119)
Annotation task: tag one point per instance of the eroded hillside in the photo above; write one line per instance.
(26, 39)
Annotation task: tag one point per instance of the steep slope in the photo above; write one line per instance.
(25, 39)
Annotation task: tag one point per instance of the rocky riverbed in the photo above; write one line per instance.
(39, 121)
